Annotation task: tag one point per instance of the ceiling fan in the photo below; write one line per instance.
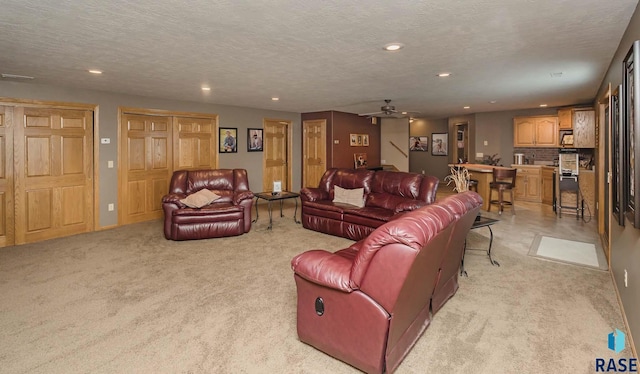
(388, 110)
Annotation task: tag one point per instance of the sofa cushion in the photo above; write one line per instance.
(387, 201)
(349, 196)
(380, 214)
(200, 199)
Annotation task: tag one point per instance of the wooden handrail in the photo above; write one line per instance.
(399, 149)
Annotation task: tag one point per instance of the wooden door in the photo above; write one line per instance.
(314, 154)
(524, 132)
(547, 132)
(6, 177)
(53, 174)
(194, 142)
(145, 168)
(276, 143)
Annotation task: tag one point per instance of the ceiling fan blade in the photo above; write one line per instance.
(370, 114)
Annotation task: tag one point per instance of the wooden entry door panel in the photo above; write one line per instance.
(275, 142)
(6, 177)
(146, 154)
(314, 155)
(194, 143)
(54, 173)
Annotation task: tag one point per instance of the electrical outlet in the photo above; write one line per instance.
(626, 280)
(486, 142)
(479, 155)
(423, 172)
(383, 162)
(111, 207)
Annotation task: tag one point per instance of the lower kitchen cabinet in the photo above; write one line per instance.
(528, 183)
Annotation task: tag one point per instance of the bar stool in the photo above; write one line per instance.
(473, 185)
(503, 180)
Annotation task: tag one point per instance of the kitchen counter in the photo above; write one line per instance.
(484, 175)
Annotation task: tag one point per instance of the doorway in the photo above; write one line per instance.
(462, 143)
(314, 154)
(276, 154)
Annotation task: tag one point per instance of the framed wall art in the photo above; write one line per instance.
(439, 144)
(254, 140)
(228, 140)
(419, 143)
(631, 129)
(359, 140)
(616, 108)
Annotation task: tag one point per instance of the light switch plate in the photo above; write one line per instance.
(479, 155)
(110, 164)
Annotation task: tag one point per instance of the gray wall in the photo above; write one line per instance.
(424, 161)
(229, 116)
(625, 241)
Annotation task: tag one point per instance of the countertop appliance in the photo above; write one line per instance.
(568, 163)
(518, 158)
(568, 180)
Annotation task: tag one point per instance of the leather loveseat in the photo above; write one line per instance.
(387, 194)
(368, 304)
(229, 215)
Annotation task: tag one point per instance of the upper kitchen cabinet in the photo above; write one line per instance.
(584, 129)
(577, 127)
(565, 119)
(539, 131)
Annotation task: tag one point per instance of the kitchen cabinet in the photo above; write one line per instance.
(584, 129)
(565, 119)
(581, 124)
(547, 185)
(539, 131)
(528, 183)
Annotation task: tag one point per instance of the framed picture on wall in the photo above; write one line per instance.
(365, 140)
(360, 160)
(631, 129)
(228, 140)
(254, 140)
(439, 144)
(419, 143)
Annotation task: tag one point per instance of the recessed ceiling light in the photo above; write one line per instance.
(492, 102)
(556, 75)
(205, 88)
(543, 105)
(442, 75)
(275, 98)
(466, 107)
(404, 112)
(95, 71)
(393, 47)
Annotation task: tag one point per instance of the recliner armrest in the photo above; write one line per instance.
(324, 268)
(174, 198)
(240, 196)
(313, 194)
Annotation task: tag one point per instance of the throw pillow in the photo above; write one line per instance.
(200, 199)
(346, 196)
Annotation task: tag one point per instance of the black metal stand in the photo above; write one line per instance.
(482, 222)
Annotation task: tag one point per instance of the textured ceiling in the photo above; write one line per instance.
(321, 55)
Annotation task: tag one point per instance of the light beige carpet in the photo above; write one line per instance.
(128, 301)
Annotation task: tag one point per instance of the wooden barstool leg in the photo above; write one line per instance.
(501, 200)
(490, 195)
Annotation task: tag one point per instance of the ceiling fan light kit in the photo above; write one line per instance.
(388, 110)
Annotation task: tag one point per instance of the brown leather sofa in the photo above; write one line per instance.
(227, 216)
(387, 195)
(368, 304)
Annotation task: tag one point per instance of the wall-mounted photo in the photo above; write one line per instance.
(228, 140)
(439, 143)
(359, 140)
(419, 143)
(254, 140)
(360, 160)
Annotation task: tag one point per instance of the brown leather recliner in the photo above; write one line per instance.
(368, 304)
(227, 216)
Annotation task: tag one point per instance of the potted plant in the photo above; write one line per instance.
(460, 177)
